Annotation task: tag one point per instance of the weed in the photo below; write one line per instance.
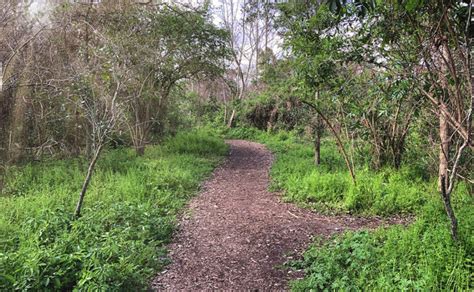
(129, 214)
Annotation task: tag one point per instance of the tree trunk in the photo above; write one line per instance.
(18, 121)
(317, 136)
(317, 146)
(398, 155)
(87, 180)
(76, 148)
(338, 141)
(443, 149)
(88, 150)
(225, 113)
(443, 180)
(19, 112)
(272, 119)
(231, 119)
(140, 150)
(449, 210)
(4, 114)
(444, 183)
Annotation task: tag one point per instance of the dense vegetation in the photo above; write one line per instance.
(368, 106)
(418, 257)
(118, 242)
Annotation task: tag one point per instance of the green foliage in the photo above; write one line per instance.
(328, 187)
(421, 256)
(129, 214)
(203, 143)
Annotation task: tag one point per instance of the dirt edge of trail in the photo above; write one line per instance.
(236, 235)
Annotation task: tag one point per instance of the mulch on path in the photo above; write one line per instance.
(236, 234)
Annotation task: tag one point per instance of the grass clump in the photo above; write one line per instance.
(129, 214)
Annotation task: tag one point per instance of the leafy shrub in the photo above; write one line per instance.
(421, 256)
(129, 213)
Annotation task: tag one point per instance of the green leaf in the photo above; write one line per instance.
(411, 5)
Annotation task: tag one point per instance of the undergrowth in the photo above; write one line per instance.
(421, 256)
(129, 214)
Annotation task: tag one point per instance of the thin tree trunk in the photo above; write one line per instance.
(87, 180)
(266, 27)
(272, 120)
(140, 149)
(231, 119)
(317, 137)
(443, 149)
(397, 151)
(20, 109)
(338, 140)
(225, 113)
(449, 210)
(317, 146)
(257, 58)
(76, 132)
(240, 97)
(445, 143)
(18, 127)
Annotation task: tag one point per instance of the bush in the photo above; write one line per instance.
(421, 256)
(129, 213)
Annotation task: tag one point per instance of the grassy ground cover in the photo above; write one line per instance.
(421, 256)
(129, 214)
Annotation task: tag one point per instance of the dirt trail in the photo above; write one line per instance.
(237, 234)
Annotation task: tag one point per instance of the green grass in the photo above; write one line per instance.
(328, 188)
(421, 256)
(129, 213)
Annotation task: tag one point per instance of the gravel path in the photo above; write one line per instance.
(236, 234)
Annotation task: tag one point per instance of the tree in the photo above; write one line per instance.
(425, 44)
(16, 37)
(243, 45)
(98, 93)
(318, 53)
(443, 78)
(166, 45)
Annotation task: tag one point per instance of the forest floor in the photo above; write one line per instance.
(236, 235)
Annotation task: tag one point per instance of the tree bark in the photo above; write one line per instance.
(225, 112)
(87, 180)
(317, 146)
(272, 120)
(446, 197)
(317, 136)
(140, 150)
(17, 126)
(231, 119)
(445, 143)
(4, 117)
(443, 149)
(397, 152)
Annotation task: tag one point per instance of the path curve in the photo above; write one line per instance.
(237, 234)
